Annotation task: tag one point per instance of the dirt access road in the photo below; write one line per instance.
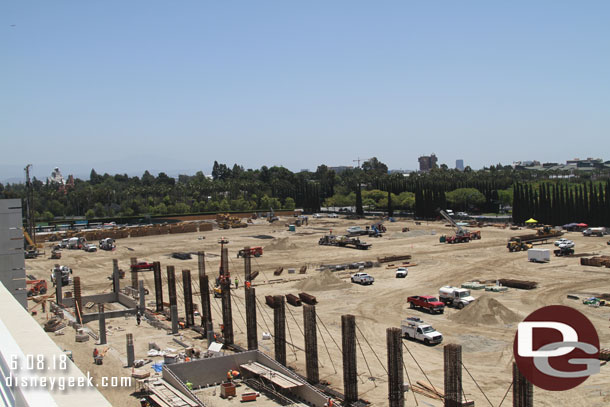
(485, 329)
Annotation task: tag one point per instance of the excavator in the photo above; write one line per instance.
(461, 235)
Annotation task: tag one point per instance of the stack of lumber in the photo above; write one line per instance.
(389, 259)
(599, 261)
(524, 285)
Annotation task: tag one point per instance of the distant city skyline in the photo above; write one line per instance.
(127, 86)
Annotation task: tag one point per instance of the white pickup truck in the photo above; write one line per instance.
(362, 278)
(415, 328)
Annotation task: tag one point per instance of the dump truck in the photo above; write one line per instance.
(415, 328)
(343, 241)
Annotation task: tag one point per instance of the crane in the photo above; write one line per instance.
(461, 235)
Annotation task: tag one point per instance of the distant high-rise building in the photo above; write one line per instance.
(426, 163)
(459, 165)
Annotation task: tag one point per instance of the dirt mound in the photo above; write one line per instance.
(486, 311)
(281, 243)
(325, 281)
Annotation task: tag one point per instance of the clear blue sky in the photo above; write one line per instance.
(123, 86)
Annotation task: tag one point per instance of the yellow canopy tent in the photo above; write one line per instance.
(531, 220)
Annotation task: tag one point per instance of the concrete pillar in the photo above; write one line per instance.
(453, 375)
(116, 283)
(58, 285)
(134, 273)
(279, 328)
(523, 391)
(396, 394)
(204, 291)
(174, 317)
(311, 343)
(188, 298)
(252, 333)
(171, 285)
(142, 296)
(130, 351)
(102, 320)
(158, 286)
(78, 301)
(350, 373)
(247, 264)
(227, 313)
(209, 330)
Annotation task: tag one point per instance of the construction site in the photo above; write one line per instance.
(220, 312)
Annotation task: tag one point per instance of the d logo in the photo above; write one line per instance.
(556, 348)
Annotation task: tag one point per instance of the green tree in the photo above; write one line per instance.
(464, 198)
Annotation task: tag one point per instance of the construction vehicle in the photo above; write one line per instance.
(541, 236)
(271, 216)
(517, 246)
(36, 287)
(461, 235)
(415, 328)
(56, 253)
(226, 221)
(594, 232)
(76, 243)
(32, 250)
(89, 247)
(343, 241)
(564, 250)
(107, 244)
(66, 279)
(252, 251)
(455, 297)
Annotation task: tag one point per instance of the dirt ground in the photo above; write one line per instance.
(486, 332)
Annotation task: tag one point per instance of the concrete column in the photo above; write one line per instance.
(102, 320)
(453, 375)
(227, 313)
(130, 351)
(116, 283)
(350, 373)
(174, 317)
(251, 318)
(188, 298)
(158, 287)
(171, 285)
(134, 273)
(311, 343)
(396, 394)
(279, 328)
(523, 391)
(58, 285)
(78, 301)
(142, 296)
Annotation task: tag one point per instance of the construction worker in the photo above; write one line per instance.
(235, 374)
(248, 284)
(138, 318)
(236, 282)
(189, 385)
(230, 376)
(95, 354)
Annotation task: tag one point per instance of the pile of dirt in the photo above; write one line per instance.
(486, 311)
(281, 243)
(325, 281)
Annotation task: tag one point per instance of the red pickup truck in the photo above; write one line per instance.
(143, 265)
(428, 302)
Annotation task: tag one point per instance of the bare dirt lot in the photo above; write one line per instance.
(486, 332)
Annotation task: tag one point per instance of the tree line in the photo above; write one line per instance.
(369, 186)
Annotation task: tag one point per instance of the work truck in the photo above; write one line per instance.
(426, 302)
(415, 328)
(455, 297)
(362, 278)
